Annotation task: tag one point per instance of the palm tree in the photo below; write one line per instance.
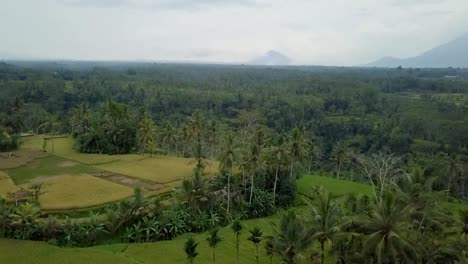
(339, 156)
(453, 170)
(146, 133)
(213, 241)
(237, 227)
(227, 159)
(279, 155)
(386, 231)
(190, 248)
(291, 237)
(253, 161)
(326, 215)
(296, 149)
(269, 249)
(167, 135)
(211, 129)
(256, 238)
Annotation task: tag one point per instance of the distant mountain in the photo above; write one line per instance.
(452, 54)
(271, 58)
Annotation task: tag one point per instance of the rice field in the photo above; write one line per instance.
(160, 169)
(6, 185)
(80, 191)
(63, 147)
(17, 158)
(75, 180)
(47, 167)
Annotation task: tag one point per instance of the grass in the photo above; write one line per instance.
(32, 252)
(32, 142)
(46, 167)
(19, 158)
(6, 185)
(80, 191)
(63, 147)
(339, 187)
(160, 169)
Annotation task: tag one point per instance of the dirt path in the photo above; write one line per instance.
(147, 186)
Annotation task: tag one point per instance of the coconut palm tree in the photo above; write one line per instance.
(190, 249)
(339, 156)
(453, 170)
(386, 232)
(269, 249)
(326, 216)
(296, 148)
(227, 159)
(213, 241)
(237, 227)
(167, 135)
(279, 154)
(255, 237)
(145, 134)
(291, 238)
(253, 161)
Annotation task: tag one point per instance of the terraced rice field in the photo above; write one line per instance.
(75, 180)
(160, 169)
(80, 191)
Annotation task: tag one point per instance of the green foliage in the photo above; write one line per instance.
(190, 249)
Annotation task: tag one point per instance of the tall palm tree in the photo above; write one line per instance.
(168, 135)
(279, 154)
(453, 170)
(386, 232)
(269, 249)
(339, 156)
(237, 227)
(146, 132)
(227, 159)
(255, 237)
(253, 161)
(326, 215)
(296, 148)
(190, 249)
(213, 241)
(291, 238)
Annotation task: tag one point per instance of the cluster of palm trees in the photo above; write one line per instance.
(407, 224)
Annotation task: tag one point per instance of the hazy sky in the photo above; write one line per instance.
(327, 32)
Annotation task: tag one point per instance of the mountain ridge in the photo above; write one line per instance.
(451, 54)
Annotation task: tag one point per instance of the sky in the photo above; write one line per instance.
(317, 32)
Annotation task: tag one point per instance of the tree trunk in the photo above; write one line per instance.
(251, 189)
(237, 249)
(214, 255)
(228, 192)
(322, 254)
(274, 185)
(291, 171)
(310, 165)
(338, 174)
(256, 252)
(448, 187)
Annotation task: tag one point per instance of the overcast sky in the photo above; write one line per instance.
(326, 32)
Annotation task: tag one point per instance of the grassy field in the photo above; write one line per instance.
(32, 142)
(19, 158)
(160, 169)
(63, 147)
(6, 185)
(46, 167)
(80, 191)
